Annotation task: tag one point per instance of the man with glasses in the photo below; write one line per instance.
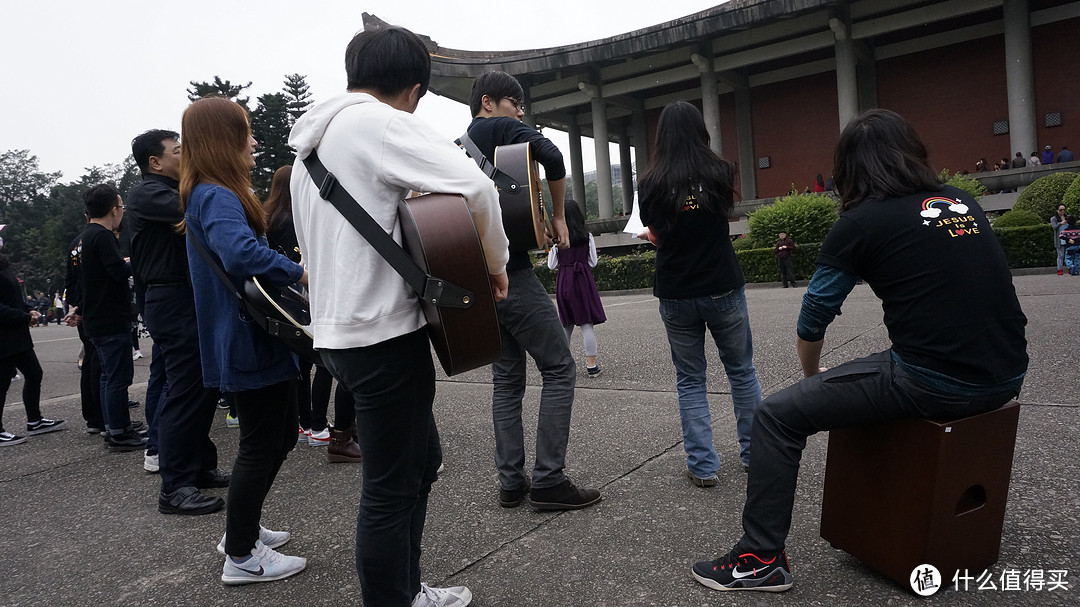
(106, 313)
(529, 322)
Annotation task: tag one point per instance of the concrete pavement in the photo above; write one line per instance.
(79, 525)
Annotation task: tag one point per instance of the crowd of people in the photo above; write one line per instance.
(1020, 161)
(198, 232)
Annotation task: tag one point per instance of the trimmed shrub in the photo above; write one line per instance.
(969, 185)
(805, 218)
(630, 271)
(1071, 197)
(759, 265)
(1027, 246)
(1016, 219)
(1044, 194)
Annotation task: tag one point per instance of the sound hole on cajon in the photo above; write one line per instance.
(972, 499)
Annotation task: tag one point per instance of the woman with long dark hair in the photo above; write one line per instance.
(576, 295)
(685, 196)
(223, 216)
(957, 331)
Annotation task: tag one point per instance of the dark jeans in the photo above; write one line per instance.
(529, 322)
(861, 392)
(187, 408)
(344, 408)
(787, 271)
(90, 383)
(267, 433)
(393, 383)
(314, 396)
(26, 362)
(117, 370)
(156, 387)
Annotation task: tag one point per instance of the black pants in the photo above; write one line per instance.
(313, 396)
(187, 410)
(267, 433)
(787, 271)
(26, 362)
(90, 383)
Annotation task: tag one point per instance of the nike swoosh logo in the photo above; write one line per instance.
(735, 573)
(259, 572)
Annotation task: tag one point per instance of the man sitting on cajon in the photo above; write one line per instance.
(957, 330)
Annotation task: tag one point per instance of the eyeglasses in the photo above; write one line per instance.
(122, 207)
(517, 103)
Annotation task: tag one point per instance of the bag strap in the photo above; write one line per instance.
(501, 179)
(435, 290)
(215, 265)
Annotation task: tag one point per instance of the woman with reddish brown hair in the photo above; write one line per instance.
(224, 218)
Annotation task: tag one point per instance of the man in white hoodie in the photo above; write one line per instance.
(367, 322)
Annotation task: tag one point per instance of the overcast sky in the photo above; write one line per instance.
(82, 77)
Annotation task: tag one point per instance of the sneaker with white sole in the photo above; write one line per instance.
(319, 438)
(150, 462)
(136, 355)
(44, 425)
(231, 422)
(743, 570)
(271, 539)
(456, 596)
(265, 565)
(303, 434)
(7, 439)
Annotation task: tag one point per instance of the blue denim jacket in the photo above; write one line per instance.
(237, 355)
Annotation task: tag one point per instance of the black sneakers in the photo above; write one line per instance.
(188, 500)
(594, 371)
(512, 498)
(44, 425)
(746, 571)
(564, 496)
(128, 441)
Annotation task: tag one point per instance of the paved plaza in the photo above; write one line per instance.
(79, 525)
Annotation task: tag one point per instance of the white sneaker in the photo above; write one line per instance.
(150, 462)
(457, 596)
(136, 355)
(265, 565)
(319, 438)
(303, 434)
(271, 539)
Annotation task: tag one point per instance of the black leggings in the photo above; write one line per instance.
(27, 362)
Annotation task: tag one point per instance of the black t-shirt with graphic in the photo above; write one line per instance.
(694, 256)
(944, 284)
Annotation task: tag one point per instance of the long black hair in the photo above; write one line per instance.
(279, 203)
(575, 223)
(880, 156)
(684, 164)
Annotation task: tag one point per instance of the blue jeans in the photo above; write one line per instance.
(529, 322)
(117, 371)
(724, 316)
(862, 392)
(393, 383)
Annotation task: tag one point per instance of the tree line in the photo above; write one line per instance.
(44, 213)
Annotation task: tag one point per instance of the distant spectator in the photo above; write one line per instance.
(981, 166)
(1059, 222)
(1004, 164)
(1065, 155)
(1034, 159)
(1047, 155)
(819, 184)
(1019, 162)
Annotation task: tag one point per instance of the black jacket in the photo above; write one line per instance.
(14, 316)
(158, 251)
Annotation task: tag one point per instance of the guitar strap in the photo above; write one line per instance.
(435, 290)
(502, 180)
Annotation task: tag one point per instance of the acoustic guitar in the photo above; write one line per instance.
(438, 232)
(525, 217)
(284, 313)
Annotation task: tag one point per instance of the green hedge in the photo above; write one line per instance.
(1028, 246)
(759, 265)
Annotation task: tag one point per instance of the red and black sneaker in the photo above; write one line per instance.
(746, 571)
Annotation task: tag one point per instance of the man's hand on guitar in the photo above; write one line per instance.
(561, 235)
(500, 284)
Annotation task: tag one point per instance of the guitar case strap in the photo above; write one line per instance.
(502, 180)
(432, 289)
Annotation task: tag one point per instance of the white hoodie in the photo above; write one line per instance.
(378, 154)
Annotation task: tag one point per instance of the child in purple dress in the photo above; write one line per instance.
(575, 289)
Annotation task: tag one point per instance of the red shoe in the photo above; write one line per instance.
(1060, 272)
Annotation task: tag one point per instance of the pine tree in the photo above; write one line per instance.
(270, 125)
(225, 88)
(296, 89)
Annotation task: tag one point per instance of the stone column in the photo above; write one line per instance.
(710, 99)
(577, 167)
(847, 87)
(1019, 79)
(603, 155)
